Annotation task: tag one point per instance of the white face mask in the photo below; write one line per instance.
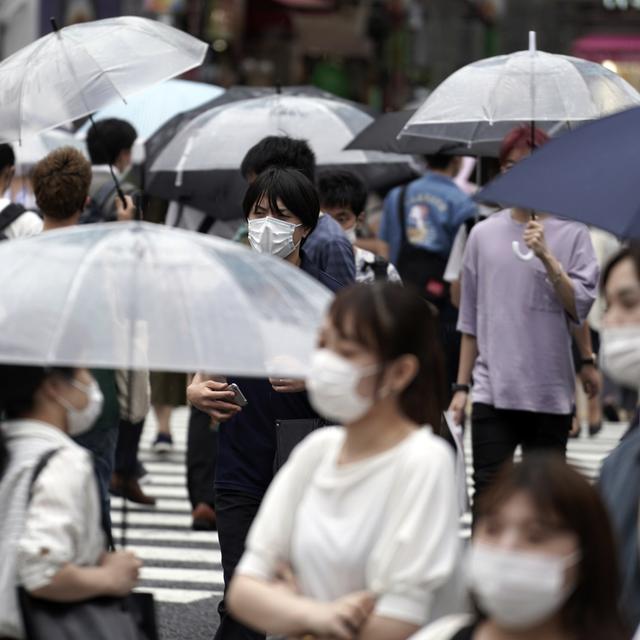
(270, 235)
(333, 387)
(517, 589)
(351, 234)
(80, 421)
(620, 354)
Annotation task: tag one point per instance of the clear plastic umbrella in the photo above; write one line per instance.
(148, 110)
(481, 102)
(208, 151)
(79, 69)
(142, 296)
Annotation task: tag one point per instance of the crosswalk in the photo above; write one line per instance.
(182, 566)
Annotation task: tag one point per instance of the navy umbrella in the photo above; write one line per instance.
(591, 175)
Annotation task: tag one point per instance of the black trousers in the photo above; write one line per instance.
(235, 512)
(202, 451)
(450, 340)
(126, 458)
(495, 434)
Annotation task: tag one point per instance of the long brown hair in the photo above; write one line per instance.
(392, 321)
(557, 489)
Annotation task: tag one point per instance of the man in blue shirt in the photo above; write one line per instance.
(434, 209)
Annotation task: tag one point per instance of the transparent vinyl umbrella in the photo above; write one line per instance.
(502, 92)
(143, 296)
(79, 69)
(204, 157)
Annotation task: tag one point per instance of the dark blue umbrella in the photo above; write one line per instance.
(591, 175)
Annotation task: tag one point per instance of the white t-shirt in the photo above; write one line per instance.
(387, 524)
(28, 224)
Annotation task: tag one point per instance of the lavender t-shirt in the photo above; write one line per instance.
(523, 332)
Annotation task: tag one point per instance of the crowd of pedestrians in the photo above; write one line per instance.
(350, 531)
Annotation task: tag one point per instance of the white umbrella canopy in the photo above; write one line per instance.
(220, 138)
(79, 69)
(143, 296)
(482, 101)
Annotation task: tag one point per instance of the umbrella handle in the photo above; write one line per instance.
(525, 257)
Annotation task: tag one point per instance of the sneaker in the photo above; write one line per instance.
(163, 443)
(204, 518)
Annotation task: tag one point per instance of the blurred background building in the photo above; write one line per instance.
(384, 52)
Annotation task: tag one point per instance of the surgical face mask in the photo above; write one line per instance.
(351, 234)
(517, 589)
(81, 420)
(333, 387)
(270, 235)
(620, 354)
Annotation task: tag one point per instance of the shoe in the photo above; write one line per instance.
(594, 429)
(163, 443)
(130, 489)
(204, 518)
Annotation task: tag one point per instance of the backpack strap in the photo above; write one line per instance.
(10, 214)
(402, 196)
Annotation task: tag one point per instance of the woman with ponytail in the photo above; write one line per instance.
(51, 538)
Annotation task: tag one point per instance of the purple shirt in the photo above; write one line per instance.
(523, 332)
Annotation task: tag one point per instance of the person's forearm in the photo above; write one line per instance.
(582, 335)
(379, 628)
(562, 285)
(468, 355)
(455, 292)
(73, 583)
(267, 608)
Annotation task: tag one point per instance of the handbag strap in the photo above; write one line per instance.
(37, 470)
(402, 197)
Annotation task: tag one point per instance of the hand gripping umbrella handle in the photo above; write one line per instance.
(515, 245)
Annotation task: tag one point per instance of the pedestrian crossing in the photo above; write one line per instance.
(182, 566)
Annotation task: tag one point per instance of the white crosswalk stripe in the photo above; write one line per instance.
(183, 566)
(180, 565)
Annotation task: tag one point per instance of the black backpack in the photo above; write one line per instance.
(421, 267)
(96, 210)
(8, 216)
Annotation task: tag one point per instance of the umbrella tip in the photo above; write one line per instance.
(532, 42)
(54, 23)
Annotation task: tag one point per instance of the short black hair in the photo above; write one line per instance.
(280, 151)
(7, 156)
(342, 189)
(439, 160)
(107, 138)
(292, 187)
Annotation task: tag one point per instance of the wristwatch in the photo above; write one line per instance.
(593, 361)
(460, 387)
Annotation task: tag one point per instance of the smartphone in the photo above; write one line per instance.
(238, 397)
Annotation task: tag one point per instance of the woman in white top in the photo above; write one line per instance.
(359, 529)
(51, 543)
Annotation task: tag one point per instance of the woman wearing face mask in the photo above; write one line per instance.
(51, 541)
(542, 560)
(282, 209)
(620, 474)
(359, 529)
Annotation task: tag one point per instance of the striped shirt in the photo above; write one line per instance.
(60, 525)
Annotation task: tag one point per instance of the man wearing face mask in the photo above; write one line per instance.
(343, 196)
(620, 474)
